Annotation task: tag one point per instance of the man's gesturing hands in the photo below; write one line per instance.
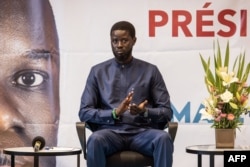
(133, 108)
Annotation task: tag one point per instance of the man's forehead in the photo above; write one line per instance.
(27, 25)
(26, 16)
(118, 33)
(19, 43)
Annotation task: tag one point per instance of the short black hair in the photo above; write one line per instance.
(124, 25)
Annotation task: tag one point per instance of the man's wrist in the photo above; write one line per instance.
(114, 114)
(145, 113)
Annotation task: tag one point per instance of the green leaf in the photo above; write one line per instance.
(226, 61)
(209, 74)
(246, 73)
(233, 105)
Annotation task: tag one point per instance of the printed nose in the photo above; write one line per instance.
(9, 115)
(119, 44)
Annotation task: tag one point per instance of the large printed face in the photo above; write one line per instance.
(29, 77)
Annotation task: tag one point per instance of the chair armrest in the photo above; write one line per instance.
(81, 132)
(172, 129)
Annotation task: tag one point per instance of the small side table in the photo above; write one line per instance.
(210, 150)
(29, 151)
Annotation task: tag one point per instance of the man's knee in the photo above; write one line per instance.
(95, 139)
(164, 137)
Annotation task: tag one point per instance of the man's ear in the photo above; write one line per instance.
(134, 39)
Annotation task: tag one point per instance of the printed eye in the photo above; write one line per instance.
(30, 78)
(114, 41)
(124, 41)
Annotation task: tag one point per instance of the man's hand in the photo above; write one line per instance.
(124, 106)
(138, 109)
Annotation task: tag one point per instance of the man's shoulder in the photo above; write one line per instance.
(103, 64)
(144, 62)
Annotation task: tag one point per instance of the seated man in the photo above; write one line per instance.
(127, 99)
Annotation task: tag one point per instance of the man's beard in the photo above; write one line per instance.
(122, 57)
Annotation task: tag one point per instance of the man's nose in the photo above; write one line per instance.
(9, 114)
(119, 44)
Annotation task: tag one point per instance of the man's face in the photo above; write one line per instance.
(29, 76)
(122, 45)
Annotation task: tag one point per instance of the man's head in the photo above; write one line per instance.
(123, 38)
(124, 25)
(29, 75)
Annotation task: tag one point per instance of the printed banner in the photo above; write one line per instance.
(48, 47)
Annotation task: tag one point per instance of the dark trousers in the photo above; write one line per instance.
(151, 142)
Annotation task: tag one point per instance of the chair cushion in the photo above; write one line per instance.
(129, 159)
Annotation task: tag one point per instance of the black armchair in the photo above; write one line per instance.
(123, 158)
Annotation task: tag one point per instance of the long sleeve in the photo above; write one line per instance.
(160, 107)
(90, 108)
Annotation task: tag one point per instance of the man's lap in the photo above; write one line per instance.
(144, 142)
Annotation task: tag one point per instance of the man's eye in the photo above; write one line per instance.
(124, 41)
(114, 41)
(29, 79)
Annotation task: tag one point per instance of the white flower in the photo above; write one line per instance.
(226, 96)
(205, 115)
(228, 78)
